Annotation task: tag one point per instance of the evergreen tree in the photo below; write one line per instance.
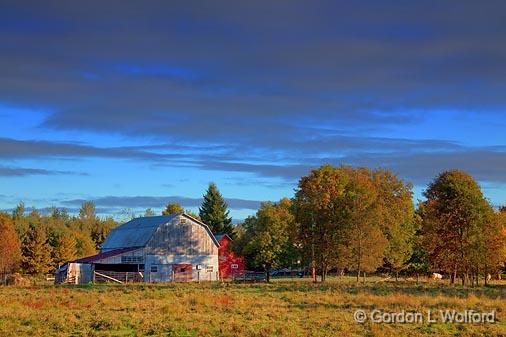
(101, 230)
(214, 213)
(37, 251)
(19, 211)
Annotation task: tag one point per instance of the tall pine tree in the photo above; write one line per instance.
(214, 212)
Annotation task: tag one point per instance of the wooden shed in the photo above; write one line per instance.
(166, 248)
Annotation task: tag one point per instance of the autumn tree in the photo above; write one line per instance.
(492, 252)
(214, 212)
(354, 218)
(173, 208)
(10, 252)
(454, 218)
(270, 240)
(36, 251)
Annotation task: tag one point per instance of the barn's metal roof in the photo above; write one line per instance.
(136, 232)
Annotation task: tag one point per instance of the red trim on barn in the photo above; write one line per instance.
(230, 264)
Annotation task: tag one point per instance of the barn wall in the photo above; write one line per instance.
(164, 265)
(181, 242)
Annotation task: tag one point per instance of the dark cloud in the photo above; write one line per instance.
(486, 165)
(272, 89)
(157, 202)
(22, 172)
(13, 148)
(124, 68)
(416, 160)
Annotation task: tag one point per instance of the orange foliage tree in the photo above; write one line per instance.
(10, 248)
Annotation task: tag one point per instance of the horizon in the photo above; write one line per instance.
(135, 106)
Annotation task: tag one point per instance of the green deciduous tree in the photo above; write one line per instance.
(365, 243)
(455, 217)
(394, 205)
(269, 242)
(214, 212)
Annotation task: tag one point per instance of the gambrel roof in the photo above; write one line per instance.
(137, 232)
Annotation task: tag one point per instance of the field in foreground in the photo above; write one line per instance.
(283, 308)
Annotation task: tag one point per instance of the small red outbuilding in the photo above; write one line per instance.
(230, 264)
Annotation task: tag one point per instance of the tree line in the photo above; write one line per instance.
(361, 220)
(343, 219)
(35, 243)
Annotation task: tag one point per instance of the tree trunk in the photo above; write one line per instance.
(397, 276)
(268, 274)
(358, 275)
(363, 274)
(417, 277)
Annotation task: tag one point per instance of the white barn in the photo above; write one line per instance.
(166, 248)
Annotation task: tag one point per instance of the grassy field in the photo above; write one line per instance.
(283, 308)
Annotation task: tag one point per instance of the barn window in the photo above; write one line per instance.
(234, 266)
(154, 269)
(131, 259)
(182, 221)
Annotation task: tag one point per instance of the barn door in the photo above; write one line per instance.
(182, 272)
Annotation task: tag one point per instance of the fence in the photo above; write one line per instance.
(105, 276)
(248, 276)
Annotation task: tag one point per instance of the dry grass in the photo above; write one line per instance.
(283, 308)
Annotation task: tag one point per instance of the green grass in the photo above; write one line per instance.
(286, 307)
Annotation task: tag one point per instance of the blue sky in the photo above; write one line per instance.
(133, 105)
